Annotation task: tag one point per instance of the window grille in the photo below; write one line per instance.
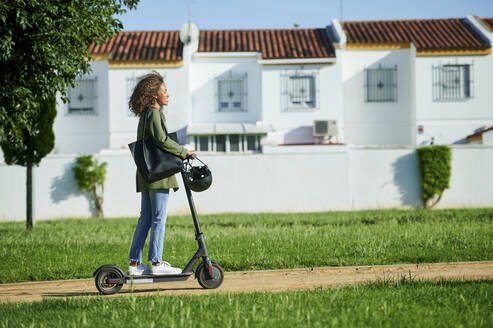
(82, 98)
(299, 90)
(381, 84)
(452, 82)
(231, 143)
(232, 92)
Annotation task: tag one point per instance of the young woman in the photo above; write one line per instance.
(146, 101)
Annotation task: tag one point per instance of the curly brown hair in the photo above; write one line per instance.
(145, 93)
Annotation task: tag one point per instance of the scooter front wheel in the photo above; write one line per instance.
(103, 281)
(210, 281)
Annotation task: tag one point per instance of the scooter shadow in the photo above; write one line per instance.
(129, 292)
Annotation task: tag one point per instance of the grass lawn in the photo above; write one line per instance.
(444, 304)
(68, 249)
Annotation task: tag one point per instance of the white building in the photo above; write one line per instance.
(407, 82)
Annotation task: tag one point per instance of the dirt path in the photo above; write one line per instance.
(249, 281)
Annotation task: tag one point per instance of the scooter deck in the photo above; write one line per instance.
(149, 278)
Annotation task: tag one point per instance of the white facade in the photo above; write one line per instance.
(417, 117)
(377, 123)
(86, 133)
(341, 93)
(449, 122)
(294, 126)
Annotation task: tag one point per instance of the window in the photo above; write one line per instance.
(220, 143)
(202, 143)
(82, 98)
(231, 143)
(452, 82)
(299, 90)
(381, 84)
(231, 92)
(252, 143)
(234, 143)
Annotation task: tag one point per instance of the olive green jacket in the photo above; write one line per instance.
(155, 130)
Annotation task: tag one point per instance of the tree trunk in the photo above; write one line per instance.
(29, 196)
(98, 202)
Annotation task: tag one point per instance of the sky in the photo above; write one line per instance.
(235, 14)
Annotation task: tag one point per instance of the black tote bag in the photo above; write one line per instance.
(154, 163)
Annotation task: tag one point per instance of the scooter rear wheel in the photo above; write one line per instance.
(205, 280)
(102, 281)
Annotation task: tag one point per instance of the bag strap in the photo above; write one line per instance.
(144, 126)
(143, 141)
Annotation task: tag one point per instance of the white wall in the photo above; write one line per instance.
(376, 123)
(204, 90)
(471, 181)
(451, 122)
(488, 138)
(284, 179)
(296, 126)
(85, 133)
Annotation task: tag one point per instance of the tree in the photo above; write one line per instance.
(90, 176)
(43, 48)
(33, 148)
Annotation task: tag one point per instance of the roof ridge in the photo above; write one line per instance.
(140, 31)
(402, 20)
(265, 29)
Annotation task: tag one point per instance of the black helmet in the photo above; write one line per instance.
(197, 178)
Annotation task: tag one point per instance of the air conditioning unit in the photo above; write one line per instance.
(324, 128)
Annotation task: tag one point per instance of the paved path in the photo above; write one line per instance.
(249, 281)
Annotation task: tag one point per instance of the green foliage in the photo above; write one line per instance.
(435, 164)
(43, 47)
(36, 145)
(429, 304)
(90, 177)
(252, 241)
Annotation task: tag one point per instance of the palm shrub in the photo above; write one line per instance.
(90, 176)
(435, 164)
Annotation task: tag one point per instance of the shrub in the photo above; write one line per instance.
(90, 177)
(435, 167)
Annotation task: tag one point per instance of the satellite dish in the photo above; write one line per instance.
(189, 32)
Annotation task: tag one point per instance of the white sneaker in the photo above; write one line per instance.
(164, 268)
(138, 270)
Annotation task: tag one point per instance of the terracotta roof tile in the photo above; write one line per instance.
(450, 33)
(487, 22)
(141, 46)
(272, 43)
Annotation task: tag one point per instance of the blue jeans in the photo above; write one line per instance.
(152, 216)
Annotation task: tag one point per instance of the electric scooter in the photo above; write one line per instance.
(109, 278)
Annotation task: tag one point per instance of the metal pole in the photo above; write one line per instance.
(192, 206)
(189, 11)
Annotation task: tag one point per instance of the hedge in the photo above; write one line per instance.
(435, 164)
